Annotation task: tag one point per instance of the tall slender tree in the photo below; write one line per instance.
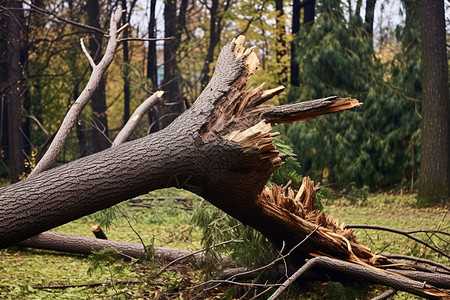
(435, 153)
(215, 31)
(174, 24)
(98, 101)
(15, 88)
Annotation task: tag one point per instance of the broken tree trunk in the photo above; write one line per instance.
(221, 149)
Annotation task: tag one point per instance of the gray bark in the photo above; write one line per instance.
(434, 173)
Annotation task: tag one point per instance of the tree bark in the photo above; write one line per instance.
(368, 19)
(434, 174)
(86, 245)
(295, 72)
(98, 101)
(14, 89)
(126, 67)
(215, 31)
(173, 25)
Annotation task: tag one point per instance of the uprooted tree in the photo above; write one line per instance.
(221, 149)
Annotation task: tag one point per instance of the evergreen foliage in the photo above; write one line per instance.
(373, 145)
(217, 227)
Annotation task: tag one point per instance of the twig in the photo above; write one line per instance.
(385, 295)
(89, 57)
(112, 279)
(364, 273)
(135, 117)
(37, 122)
(90, 284)
(263, 268)
(38, 9)
(145, 39)
(134, 230)
(72, 115)
(196, 252)
(402, 232)
(417, 259)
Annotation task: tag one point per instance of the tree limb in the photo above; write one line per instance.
(364, 273)
(71, 118)
(135, 117)
(406, 233)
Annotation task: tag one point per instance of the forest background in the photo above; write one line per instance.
(369, 50)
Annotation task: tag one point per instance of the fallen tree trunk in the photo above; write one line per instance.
(221, 149)
(86, 245)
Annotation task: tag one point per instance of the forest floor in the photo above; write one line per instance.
(23, 272)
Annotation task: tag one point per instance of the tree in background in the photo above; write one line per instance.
(174, 24)
(377, 144)
(435, 153)
(15, 38)
(98, 102)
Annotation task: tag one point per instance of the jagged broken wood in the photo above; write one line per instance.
(221, 148)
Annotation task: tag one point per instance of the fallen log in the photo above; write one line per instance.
(86, 245)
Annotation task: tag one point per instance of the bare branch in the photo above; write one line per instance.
(135, 117)
(146, 39)
(197, 252)
(418, 260)
(72, 115)
(364, 273)
(385, 295)
(41, 10)
(89, 57)
(406, 233)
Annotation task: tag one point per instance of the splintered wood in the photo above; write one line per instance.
(300, 212)
(259, 138)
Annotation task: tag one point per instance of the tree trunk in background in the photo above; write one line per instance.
(98, 102)
(173, 26)
(152, 67)
(307, 18)
(215, 31)
(434, 173)
(281, 48)
(295, 72)
(368, 19)
(14, 89)
(126, 66)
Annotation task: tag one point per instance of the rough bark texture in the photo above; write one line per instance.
(435, 153)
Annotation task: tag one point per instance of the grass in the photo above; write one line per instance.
(167, 225)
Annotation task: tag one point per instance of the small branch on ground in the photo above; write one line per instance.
(90, 284)
(369, 274)
(385, 295)
(406, 233)
(196, 252)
